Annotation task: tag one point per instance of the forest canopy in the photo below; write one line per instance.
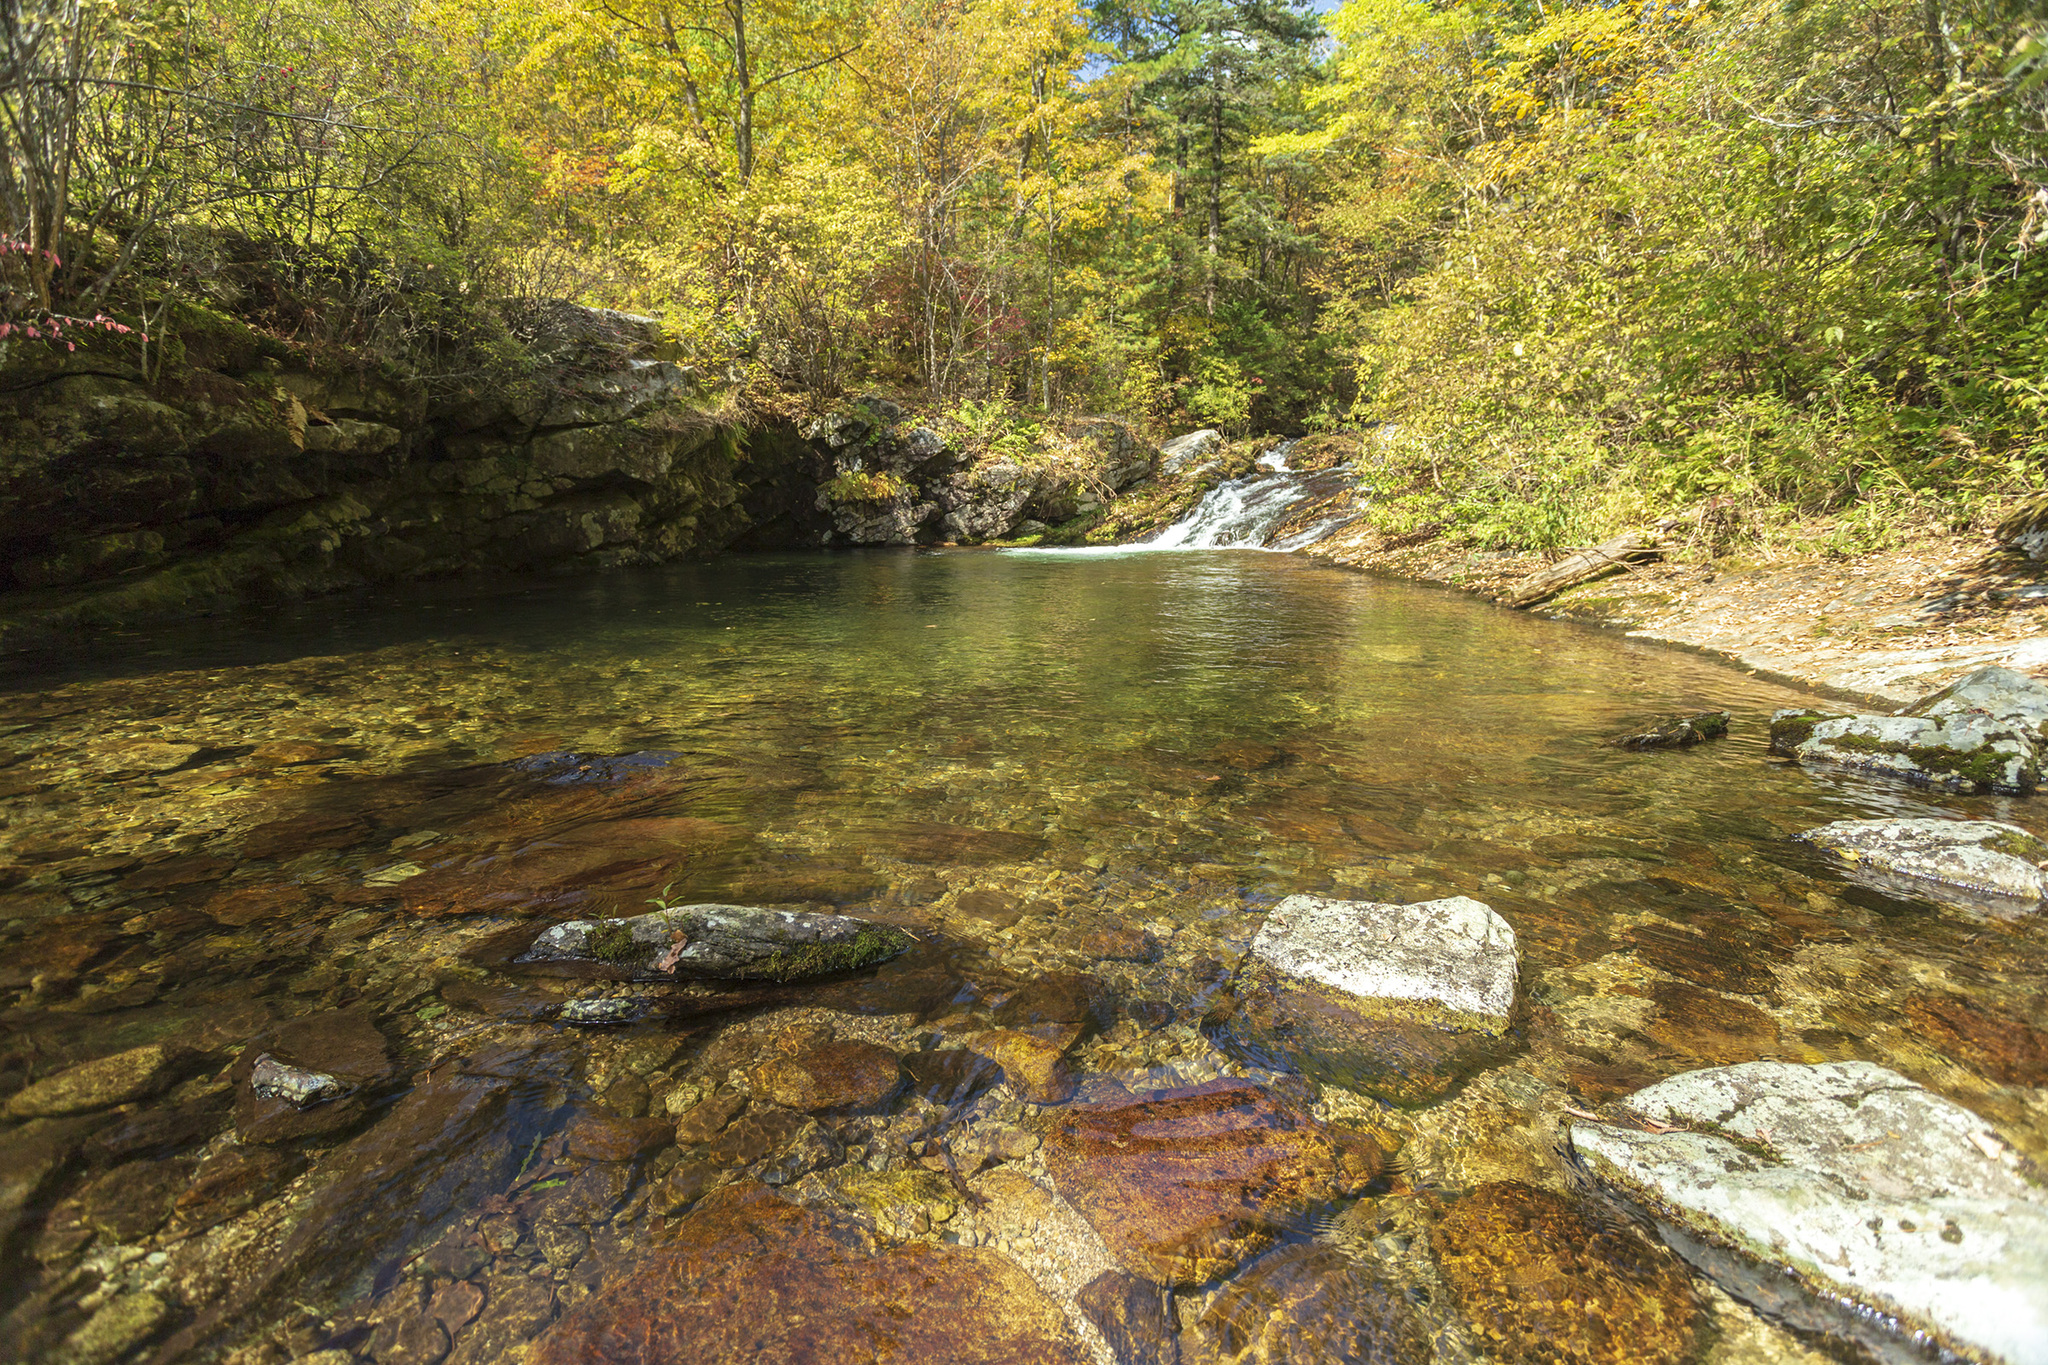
(1573, 262)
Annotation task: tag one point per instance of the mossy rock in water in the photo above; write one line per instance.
(1676, 732)
(1983, 733)
(723, 942)
(1539, 1279)
(1984, 859)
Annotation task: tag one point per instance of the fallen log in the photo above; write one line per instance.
(1631, 547)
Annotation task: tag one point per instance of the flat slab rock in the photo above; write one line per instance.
(1986, 732)
(1401, 1001)
(731, 942)
(1985, 858)
(1902, 1217)
(748, 1277)
(1184, 1185)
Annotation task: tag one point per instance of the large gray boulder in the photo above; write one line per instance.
(1400, 1001)
(731, 942)
(1982, 858)
(1844, 1198)
(1183, 454)
(1983, 733)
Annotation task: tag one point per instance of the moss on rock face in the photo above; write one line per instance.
(1790, 729)
(871, 945)
(612, 941)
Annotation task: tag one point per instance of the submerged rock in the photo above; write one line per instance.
(307, 1076)
(1983, 733)
(1902, 1217)
(749, 1277)
(1676, 732)
(564, 769)
(1309, 1303)
(601, 1010)
(830, 1076)
(100, 1084)
(1400, 1001)
(731, 942)
(1034, 1064)
(1186, 1184)
(1131, 1314)
(1982, 857)
(1538, 1279)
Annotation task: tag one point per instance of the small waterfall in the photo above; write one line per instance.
(1246, 513)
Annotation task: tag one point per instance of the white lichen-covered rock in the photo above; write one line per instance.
(1402, 1001)
(1983, 733)
(1981, 857)
(721, 941)
(1845, 1198)
(296, 1086)
(601, 1010)
(1183, 453)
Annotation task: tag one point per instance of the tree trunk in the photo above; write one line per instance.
(1215, 186)
(1628, 548)
(743, 128)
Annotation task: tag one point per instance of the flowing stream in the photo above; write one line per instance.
(1096, 772)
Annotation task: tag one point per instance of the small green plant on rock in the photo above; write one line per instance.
(860, 485)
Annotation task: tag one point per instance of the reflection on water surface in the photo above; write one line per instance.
(1077, 780)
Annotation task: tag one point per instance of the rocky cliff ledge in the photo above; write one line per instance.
(256, 472)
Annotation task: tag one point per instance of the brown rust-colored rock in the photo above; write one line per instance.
(831, 1076)
(1131, 1314)
(598, 1136)
(1693, 1022)
(747, 1277)
(1540, 1281)
(2005, 1049)
(1036, 1066)
(707, 1118)
(1185, 1185)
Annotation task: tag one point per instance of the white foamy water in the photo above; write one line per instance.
(1242, 513)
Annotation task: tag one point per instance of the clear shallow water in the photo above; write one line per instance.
(1038, 764)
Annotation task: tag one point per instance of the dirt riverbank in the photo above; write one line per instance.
(1886, 628)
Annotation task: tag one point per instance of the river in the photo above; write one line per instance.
(1099, 768)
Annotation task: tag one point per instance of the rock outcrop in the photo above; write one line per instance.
(1983, 733)
(868, 474)
(1400, 1001)
(1985, 859)
(1843, 1198)
(1185, 454)
(260, 471)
